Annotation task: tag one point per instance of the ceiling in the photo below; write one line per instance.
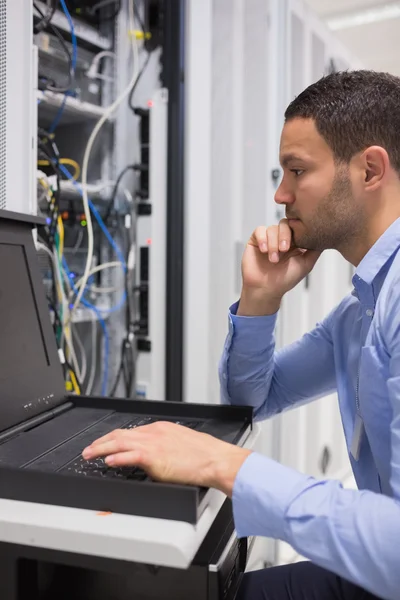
(377, 44)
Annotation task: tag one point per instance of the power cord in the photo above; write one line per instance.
(103, 4)
(146, 62)
(122, 174)
(127, 366)
(46, 19)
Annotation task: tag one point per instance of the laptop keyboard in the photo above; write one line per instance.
(98, 468)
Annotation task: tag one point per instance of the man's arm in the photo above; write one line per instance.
(352, 533)
(355, 534)
(252, 373)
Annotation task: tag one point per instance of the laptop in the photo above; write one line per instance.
(43, 430)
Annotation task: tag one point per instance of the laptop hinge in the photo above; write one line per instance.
(35, 421)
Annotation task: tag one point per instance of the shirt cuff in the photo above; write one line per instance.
(253, 334)
(262, 492)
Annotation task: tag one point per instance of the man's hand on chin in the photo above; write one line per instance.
(172, 453)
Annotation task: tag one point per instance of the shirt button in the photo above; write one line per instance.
(369, 312)
(224, 376)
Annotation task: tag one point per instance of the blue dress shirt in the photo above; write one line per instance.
(355, 351)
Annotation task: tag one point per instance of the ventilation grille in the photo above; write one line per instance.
(3, 106)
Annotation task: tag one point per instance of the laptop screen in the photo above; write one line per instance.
(31, 377)
(22, 338)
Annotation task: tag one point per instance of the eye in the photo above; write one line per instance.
(297, 172)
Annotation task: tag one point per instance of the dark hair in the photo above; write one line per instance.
(353, 110)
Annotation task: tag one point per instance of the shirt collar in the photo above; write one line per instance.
(380, 253)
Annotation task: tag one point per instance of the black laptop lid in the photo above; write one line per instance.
(31, 379)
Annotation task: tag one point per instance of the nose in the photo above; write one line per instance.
(284, 195)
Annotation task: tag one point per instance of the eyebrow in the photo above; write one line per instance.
(287, 158)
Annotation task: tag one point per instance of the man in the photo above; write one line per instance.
(340, 153)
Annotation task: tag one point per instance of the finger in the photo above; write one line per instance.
(122, 444)
(273, 243)
(133, 458)
(109, 436)
(121, 432)
(260, 239)
(285, 236)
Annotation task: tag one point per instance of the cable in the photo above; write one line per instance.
(59, 114)
(88, 150)
(142, 70)
(102, 290)
(85, 302)
(105, 3)
(115, 190)
(98, 269)
(146, 36)
(44, 248)
(82, 351)
(100, 221)
(127, 366)
(61, 237)
(45, 20)
(65, 309)
(73, 36)
(49, 150)
(93, 365)
(93, 71)
(60, 168)
(74, 382)
(105, 334)
(64, 161)
(65, 363)
(74, 60)
(78, 242)
(106, 351)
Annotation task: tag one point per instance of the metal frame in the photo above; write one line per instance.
(174, 72)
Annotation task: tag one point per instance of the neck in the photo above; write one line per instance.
(362, 242)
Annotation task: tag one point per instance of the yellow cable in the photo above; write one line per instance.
(74, 383)
(139, 35)
(46, 186)
(64, 161)
(61, 237)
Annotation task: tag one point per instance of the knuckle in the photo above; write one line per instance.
(260, 233)
(273, 234)
(272, 230)
(124, 444)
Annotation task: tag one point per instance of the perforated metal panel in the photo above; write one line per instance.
(3, 107)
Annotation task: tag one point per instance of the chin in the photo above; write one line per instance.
(305, 243)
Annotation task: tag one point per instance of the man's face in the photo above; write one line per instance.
(316, 191)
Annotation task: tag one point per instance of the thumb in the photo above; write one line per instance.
(310, 257)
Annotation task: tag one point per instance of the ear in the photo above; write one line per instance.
(375, 164)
